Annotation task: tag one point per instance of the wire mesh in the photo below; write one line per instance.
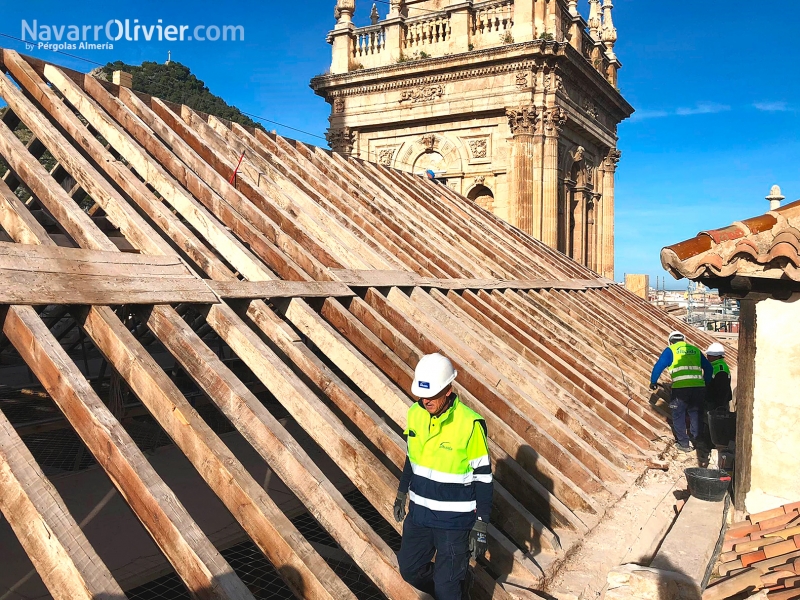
(260, 576)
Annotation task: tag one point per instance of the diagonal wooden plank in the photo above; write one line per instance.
(304, 570)
(200, 566)
(61, 554)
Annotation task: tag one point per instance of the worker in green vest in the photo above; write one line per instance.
(448, 480)
(690, 370)
(718, 391)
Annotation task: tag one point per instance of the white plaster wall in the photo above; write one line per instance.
(775, 475)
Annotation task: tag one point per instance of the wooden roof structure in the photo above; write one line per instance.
(325, 276)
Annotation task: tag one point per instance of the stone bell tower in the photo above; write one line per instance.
(513, 103)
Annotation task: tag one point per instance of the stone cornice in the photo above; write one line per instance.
(458, 67)
(326, 84)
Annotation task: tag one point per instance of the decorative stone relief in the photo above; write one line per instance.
(338, 105)
(385, 156)
(522, 120)
(480, 180)
(577, 156)
(427, 93)
(612, 158)
(590, 106)
(521, 80)
(478, 148)
(554, 120)
(429, 141)
(341, 140)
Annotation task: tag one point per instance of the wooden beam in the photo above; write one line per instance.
(197, 562)
(279, 289)
(745, 394)
(289, 461)
(300, 566)
(42, 288)
(58, 549)
(305, 572)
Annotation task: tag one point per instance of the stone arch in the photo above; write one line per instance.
(430, 143)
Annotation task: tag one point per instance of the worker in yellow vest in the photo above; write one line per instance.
(718, 392)
(690, 370)
(448, 479)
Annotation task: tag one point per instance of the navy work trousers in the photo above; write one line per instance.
(442, 578)
(687, 401)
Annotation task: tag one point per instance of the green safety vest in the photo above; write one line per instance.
(686, 368)
(720, 365)
(445, 450)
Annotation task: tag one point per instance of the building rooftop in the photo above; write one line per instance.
(295, 294)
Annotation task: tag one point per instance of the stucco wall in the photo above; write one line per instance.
(775, 478)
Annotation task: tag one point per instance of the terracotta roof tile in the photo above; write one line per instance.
(767, 245)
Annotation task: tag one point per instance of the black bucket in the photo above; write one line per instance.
(722, 426)
(707, 484)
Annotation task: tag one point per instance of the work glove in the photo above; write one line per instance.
(654, 386)
(477, 539)
(400, 507)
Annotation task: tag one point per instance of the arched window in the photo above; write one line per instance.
(482, 196)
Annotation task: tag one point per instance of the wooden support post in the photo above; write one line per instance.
(745, 393)
(61, 554)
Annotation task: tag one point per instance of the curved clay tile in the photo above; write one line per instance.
(760, 223)
(691, 247)
(726, 234)
(747, 247)
(784, 250)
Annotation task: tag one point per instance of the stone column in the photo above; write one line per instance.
(555, 118)
(607, 234)
(523, 123)
(582, 197)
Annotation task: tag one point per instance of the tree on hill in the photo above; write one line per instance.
(175, 82)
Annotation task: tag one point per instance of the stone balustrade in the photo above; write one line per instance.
(467, 26)
(429, 34)
(369, 47)
(492, 18)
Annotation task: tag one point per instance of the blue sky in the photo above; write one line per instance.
(715, 86)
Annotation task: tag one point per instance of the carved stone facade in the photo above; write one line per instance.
(511, 103)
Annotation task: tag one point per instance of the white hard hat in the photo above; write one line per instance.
(716, 349)
(676, 336)
(434, 373)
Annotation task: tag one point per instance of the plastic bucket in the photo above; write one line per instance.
(722, 426)
(707, 484)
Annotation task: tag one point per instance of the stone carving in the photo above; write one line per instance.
(422, 94)
(344, 10)
(341, 140)
(577, 156)
(591, 108)
(478, 148)
(612, 158)
(428, 141)
(374, 17)
(522, 79)
(338, 105)
(479, 180)
(522, 120)
(554, 120)
(385, 156)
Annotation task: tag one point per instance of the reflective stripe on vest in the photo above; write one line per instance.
(686, 368)
(443, 458)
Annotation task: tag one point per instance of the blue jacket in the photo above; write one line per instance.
(665, 360)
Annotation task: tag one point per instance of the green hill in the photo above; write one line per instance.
(174, 82)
